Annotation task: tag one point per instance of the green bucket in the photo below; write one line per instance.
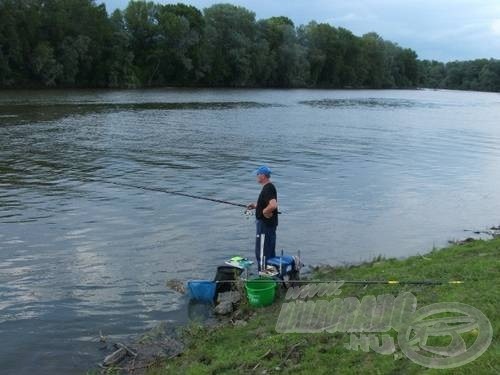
(261, 291)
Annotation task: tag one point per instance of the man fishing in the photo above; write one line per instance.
(266, 213)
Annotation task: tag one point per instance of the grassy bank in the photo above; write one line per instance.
(257, 348)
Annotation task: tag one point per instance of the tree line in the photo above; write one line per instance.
(76, 43)
(478, 75)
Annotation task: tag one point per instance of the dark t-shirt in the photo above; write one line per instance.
(268, 192)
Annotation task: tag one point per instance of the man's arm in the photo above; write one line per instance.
(268, 211)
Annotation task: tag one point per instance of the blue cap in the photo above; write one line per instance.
(265, 170)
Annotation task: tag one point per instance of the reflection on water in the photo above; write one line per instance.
(367, 103)
(17, 113)
(359, 173)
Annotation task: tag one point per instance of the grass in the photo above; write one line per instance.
(258, 348)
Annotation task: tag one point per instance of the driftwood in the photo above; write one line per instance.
(127, 349)
(116, 357)
(140, 354)
(292, 349)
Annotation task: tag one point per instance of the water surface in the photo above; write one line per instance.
(359, 173)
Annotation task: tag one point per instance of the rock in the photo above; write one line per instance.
(231, 296)
(238, 315)
(495, 231)
(462, 242)
(224, 308)
(240, 323)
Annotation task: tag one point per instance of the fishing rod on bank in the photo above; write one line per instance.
(359, 282)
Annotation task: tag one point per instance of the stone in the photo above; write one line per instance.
(231, 296)
(224, 308)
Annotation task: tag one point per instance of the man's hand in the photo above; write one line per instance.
(251, 206)
(267, 215)
(268, 211)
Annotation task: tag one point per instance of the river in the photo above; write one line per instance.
(359, 174)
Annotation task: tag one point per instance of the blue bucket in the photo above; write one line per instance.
(286, 262)
(202, 290)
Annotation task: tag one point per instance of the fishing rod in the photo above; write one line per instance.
(359, 282)
(178, 193)
(173, 192)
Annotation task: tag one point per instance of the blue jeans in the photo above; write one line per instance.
(265, 242)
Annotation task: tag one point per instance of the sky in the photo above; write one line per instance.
(442, 30)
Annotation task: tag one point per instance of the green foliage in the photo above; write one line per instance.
(121, 72)
(287, 64)
(45, 66)
(180, 37)
(230, 45)
(481, 75)
(75, 43)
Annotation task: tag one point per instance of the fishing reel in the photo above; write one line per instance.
(248, 213)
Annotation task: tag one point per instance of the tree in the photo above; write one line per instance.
(75, 43)
(287, 63)
(121, 71)
(141, 22)
(180, 34)
(229, 41)
(78, 32)
(323, 53)
(45, 66)
(489, 76)
(431, 74)
(74, 58)
(18, 38)
(351, 71)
